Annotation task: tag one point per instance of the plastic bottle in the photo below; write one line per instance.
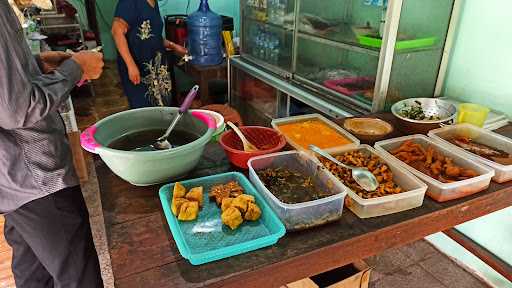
(271, 10)
(280, 11)
(262, 45)
(204, 36)
(276, 50)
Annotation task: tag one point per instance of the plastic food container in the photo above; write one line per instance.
(400, 44)
(472, 113)
(503, 173)
(437, 190)
(307, 214)
(295, 119)
(412, 197)
(206, 239)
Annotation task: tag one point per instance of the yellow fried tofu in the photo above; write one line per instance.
(249, 198)
(253, 212)
(232, 218)
(188, 211)
(176, 205)
(240, 203)
(226, 203)
(179, 191)
(195, 194)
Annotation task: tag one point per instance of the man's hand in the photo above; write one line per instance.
(51, 60)
(178, 49)
(91, 64)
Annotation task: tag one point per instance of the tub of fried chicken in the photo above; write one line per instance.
(448, 173)
(398, 189)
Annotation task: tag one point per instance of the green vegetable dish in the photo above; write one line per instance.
(415, 112)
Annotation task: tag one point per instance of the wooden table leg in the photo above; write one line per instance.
(203, 92)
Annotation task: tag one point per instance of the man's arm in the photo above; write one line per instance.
(25, 100)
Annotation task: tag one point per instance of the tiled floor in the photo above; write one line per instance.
(419, 265)
(416, 265)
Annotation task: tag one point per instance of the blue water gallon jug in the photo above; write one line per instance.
(204, 36)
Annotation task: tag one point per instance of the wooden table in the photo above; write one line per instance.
(203, 75)
(144, 254)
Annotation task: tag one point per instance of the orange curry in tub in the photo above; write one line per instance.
(314, 132)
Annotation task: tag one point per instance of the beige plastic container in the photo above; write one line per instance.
(503, 173)
(412, 197)
(437, 190)
(302, 118)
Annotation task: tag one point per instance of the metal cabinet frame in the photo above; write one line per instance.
(385, 63)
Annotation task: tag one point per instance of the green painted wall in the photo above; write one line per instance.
(105, 12)
(480, 71)
(224, 7)
(480, 68)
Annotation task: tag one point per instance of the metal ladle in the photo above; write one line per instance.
(362, 176)
(162, 143)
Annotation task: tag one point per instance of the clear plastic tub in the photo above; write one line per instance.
(307, 214)
(412, 197)
(503, 173)
(437, 190)
(303, 118)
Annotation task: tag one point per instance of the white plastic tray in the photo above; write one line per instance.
(437, 190)
(412, 197)
(307, 214)
(302, 118)
(503, 173)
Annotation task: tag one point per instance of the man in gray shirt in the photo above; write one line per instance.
(46, 220)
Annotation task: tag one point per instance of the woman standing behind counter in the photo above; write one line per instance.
(137, 31)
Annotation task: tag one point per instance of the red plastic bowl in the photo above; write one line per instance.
(266, 139)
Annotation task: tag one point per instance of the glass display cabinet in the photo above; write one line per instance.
(358, 55)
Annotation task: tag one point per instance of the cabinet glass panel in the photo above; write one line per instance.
(255, 100)
(340, 70)
(267, 43)
(415, 69)
(344, 21)
(268, 31)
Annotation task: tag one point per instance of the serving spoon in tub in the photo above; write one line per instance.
(162, 143)
(362, 176)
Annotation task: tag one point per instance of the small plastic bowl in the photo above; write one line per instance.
(266, 139)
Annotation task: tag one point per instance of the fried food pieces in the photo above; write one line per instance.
(235, 205)
(380, 169)
(232, 218)
(432, 162)
(179, 191)
(185, 205)
(226, 203)
(253, 212)
(195, 194)
(188, 211)
(221, 191)
(176, 205)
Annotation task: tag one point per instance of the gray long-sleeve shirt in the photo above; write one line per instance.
(35, 157)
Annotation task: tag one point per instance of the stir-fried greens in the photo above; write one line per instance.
(416, 112)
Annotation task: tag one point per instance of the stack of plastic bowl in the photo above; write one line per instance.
(219, 121)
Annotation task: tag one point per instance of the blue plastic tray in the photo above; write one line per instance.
(206, 239)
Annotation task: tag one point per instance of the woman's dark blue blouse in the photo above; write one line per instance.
(146, 46)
